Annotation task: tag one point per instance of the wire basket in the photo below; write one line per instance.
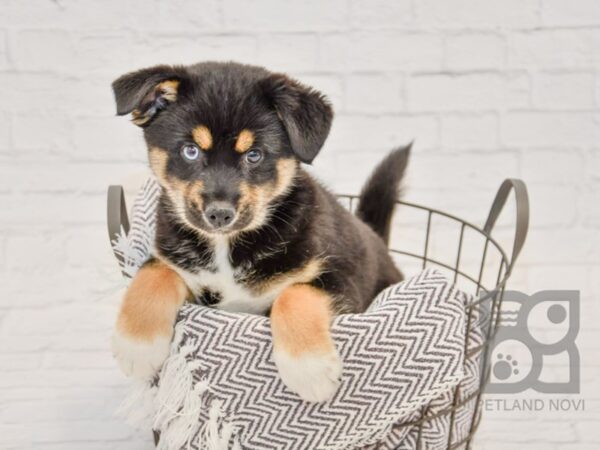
(486, 297)
(487, 292)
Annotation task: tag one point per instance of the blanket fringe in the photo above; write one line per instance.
(175, 406)
(133, 254)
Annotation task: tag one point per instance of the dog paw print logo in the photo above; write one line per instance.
(505, 367)
(534, 347)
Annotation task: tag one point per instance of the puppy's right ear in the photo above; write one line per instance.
(146, 92)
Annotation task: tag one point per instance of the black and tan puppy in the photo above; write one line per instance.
(241, 226)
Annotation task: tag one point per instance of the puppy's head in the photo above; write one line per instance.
(224, 140)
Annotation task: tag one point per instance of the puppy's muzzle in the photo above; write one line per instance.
(219, 214)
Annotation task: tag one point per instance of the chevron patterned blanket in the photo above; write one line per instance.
(403, 359)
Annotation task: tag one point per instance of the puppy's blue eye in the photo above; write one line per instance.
(190, 152)
(254, 156)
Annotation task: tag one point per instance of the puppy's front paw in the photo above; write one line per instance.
(313, 376)
(140, 359)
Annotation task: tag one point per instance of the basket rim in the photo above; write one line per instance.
(487, 293)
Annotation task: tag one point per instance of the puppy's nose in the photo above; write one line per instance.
(219, 214)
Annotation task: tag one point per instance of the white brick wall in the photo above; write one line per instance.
(488, 89)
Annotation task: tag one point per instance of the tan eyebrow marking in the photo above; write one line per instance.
(244, 141)
(202, 136)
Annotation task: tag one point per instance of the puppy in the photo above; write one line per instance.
(241, 226)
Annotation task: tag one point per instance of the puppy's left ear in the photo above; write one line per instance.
(306, 114)
(146, 92)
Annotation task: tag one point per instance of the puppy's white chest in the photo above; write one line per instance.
(235, 297)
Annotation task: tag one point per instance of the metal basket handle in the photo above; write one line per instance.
(116, 214)
(522, 222)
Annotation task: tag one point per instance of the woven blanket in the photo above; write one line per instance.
(403, 359)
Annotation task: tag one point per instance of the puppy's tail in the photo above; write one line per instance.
(379, 195)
